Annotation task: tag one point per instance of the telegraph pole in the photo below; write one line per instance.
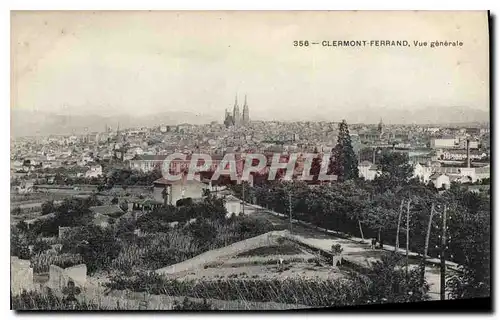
(407, 234)
(399, 223)
(443, 260)
(290, 209)
(428, 233)
(243, 202)
(426, 248)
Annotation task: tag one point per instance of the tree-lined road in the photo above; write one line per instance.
(355, 250)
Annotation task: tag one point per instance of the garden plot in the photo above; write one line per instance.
(280, 260)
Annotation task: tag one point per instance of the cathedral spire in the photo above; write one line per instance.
(246, 112)
(236, 112)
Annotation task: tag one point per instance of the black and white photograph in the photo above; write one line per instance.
(249, 160)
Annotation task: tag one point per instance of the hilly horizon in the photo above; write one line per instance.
(33, 123)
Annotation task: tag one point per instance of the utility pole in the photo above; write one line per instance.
(399, 223)
(428, 233)
(243, 202)
(290, 210)
(426, 248)
(407, 234)
(443, 260)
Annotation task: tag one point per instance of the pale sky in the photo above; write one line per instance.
(146, 62)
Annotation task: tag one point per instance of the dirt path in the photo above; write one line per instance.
(355, 249)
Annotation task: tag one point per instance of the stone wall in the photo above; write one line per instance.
(59, 277)
(21, 275)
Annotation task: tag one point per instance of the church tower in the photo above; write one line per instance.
(246, 112)
(381, 128)
(228, 119)
(236, 112)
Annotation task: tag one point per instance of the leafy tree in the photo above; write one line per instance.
(469, 245)
(97, 246)
(48, 207)
(212, 208)
(159, 219)
(395, 170)
(344, 163)
(389, 284)
(380, 218)
(19, 244)
(248, 226)
(316, 168)
(40, 246)
(70, 213)
(203, 232)
(238, 191)
(125, 227)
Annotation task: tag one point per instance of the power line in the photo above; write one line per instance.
(443, 260)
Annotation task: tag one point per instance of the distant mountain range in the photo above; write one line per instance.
(30, 123)
(428, 115)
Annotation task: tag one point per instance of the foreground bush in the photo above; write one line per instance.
(188, 304)
(315, 293)
(46, 301)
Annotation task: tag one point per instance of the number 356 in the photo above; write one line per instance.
(301, 43)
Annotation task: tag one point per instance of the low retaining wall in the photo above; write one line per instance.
(59, 277)
(21, 276)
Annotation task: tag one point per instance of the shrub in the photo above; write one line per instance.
(19, 244)
(42, 261)
(33, 300)
(97, 247)
(189, 304)
(48, 207)
(388, 283)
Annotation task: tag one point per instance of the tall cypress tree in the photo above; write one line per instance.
(344, 163)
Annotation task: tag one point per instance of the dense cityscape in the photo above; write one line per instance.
(96, 211)
(452, 153)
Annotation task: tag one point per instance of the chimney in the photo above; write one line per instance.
(468, 153)
(374, 152)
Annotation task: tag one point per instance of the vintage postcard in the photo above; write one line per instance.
(249, 160)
